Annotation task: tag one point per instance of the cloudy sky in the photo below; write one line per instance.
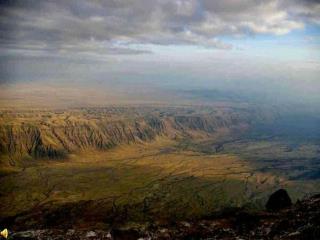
(250, 45)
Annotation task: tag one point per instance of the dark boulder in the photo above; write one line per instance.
(278, 200)
(125, 234)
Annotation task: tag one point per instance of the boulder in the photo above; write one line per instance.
(278, 200)
(91, 234)
(125, 234)
(25, 235)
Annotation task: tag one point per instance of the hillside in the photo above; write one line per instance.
(300, 221)
(55, 134)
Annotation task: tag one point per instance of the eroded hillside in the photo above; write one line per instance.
(55, 134)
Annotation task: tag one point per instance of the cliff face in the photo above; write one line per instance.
(54, 140)
(54, 135)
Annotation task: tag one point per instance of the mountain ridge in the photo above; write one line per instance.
(55, 135)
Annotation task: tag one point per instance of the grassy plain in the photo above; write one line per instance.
(156, 180)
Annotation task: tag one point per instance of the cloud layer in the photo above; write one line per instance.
(115, 26)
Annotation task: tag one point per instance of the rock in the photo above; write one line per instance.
(70, 232)
(91, 234)
(300, 221)
(26, 235)
(278, 200)
(125, 234)
(293, 234)
(267, 230)
(186, 224)
(109, 236)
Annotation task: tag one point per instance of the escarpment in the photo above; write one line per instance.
(54, 141)
(55, 134)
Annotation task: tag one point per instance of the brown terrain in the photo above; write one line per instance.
(183, 172)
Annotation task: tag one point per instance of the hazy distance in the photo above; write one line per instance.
(101, 52)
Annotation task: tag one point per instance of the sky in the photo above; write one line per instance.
(268, 47)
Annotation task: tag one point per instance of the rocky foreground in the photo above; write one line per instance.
(282, 221)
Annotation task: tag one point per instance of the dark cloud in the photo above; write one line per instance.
(113, 26)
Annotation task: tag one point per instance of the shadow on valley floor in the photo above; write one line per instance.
(69, 195)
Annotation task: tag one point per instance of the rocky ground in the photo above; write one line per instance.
(298, 221)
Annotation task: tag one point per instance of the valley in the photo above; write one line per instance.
(135, 166)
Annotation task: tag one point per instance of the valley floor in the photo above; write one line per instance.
(112, 168)
(137, 184)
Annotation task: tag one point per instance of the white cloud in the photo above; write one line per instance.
(70, 25)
